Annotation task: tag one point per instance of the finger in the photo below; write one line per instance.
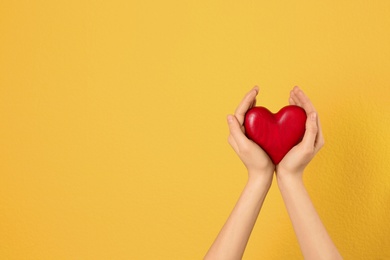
(253, 103)
(294, 98)
(232, 142)
(320, 137)
(235, 131)
(231, 139)
(309, 139)
(309, 108)
(303, 100)
(291, 101)
(245, 104)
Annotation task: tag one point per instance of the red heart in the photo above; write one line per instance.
(275, 133)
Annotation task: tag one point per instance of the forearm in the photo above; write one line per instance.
(312, 236)
(232, 239)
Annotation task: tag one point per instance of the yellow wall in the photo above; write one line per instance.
(113, 139)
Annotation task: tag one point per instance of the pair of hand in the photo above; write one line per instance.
(253, 156)
(312, 236)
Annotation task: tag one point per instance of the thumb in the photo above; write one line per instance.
(235, 130)
(311, 131)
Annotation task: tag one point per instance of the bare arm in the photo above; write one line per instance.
(312, 236)
(234, 235)
(314, 240)
(233, 238)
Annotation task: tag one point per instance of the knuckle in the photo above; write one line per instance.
(313, 129)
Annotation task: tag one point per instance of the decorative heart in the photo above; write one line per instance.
(276, 133)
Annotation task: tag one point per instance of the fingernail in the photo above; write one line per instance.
(229, 119)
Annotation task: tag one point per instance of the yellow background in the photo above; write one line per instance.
(113, 136)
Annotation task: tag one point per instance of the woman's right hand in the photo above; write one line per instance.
(254, 158)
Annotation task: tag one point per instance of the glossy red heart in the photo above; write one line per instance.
(276, 133)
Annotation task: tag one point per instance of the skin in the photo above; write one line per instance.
(314, 241)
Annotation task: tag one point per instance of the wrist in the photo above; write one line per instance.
(261, 180)
(288, 178)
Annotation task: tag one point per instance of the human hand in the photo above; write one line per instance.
(234, 235)
(313, 238)
(254, 158)
(300, 155)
